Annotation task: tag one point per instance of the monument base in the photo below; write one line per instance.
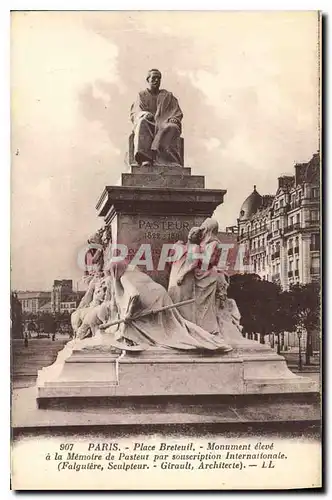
(85, 369)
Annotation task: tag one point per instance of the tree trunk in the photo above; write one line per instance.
(278, 343)
(272, 340)
(262, 338)
(282, 341)
(299, 335)
(308, 350)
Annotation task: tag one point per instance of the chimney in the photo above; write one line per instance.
(285, 181)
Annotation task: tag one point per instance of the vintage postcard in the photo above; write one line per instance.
(165, 250)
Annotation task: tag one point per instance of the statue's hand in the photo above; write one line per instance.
(149, 116)
(127, 319)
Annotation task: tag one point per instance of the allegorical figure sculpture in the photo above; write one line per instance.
(151, 318)
(200, 277)
(156, 116)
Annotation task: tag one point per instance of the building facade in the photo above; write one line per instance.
(281, 232)
(32, 302)
(62, 290)
(69, 306)
(61, 299)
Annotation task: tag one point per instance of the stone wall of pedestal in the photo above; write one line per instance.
(100, 371)
(153, 207)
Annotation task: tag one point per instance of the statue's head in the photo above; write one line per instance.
(96, 238)
(154, 79)
(210, 225)
(209, 228)
(194, 235)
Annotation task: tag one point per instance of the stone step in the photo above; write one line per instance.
(160, 169)
(241, 410)
(163, 179)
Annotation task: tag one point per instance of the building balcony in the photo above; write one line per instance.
(295, 204)
(312, 223)
(260, 249)
(257, 231)
(275, 255)
(296, 250)
(292, 227)
(281, 210)
(277, 233)
(290, 251)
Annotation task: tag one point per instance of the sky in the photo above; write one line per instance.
(247, 83)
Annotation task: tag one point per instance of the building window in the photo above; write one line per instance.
(314, 215)
(298, 218)
(314, 192)
(281, 203)
(315, 242)
(290, 265)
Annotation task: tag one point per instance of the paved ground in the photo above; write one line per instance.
(249, 409)
(292, 359)
(27, 360)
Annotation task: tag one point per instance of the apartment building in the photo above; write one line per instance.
(281, 232)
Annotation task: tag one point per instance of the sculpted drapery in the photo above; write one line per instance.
(200, 277)
(135, 293)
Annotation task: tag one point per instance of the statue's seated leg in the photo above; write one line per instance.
(143, 137)
(167, 144)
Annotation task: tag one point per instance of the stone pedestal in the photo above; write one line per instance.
(91, 369)
(155, 206)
